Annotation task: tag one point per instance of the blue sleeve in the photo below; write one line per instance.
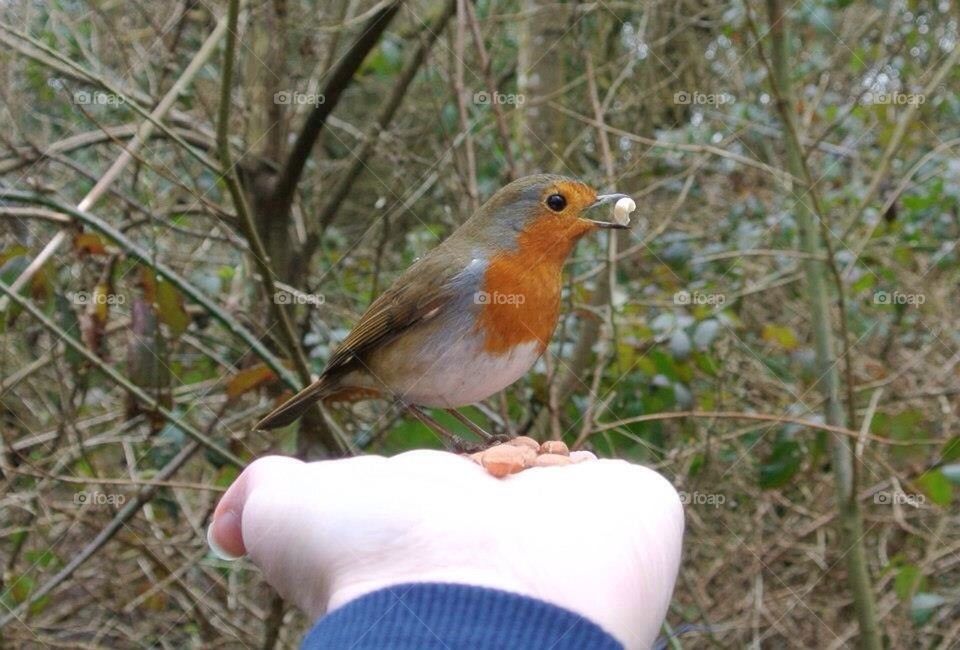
(432, 616)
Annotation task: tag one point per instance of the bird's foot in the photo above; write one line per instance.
(488, 438)
(451, 441)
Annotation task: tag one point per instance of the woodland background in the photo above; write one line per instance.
(197, 203)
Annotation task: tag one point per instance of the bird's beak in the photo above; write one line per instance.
(606, 199)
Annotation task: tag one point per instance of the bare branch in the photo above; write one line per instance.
(338, 81)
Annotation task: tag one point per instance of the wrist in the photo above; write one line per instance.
(455, 615)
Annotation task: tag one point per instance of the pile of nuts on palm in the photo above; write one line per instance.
(522, 453)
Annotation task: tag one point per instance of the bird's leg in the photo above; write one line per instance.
(470, 424)
(455, 442)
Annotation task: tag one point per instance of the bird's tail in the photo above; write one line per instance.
(294, 407)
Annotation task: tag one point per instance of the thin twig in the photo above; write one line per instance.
(337, 82)
(428, 35)
(763, 417)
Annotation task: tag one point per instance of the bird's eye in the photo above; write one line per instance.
(556, 202)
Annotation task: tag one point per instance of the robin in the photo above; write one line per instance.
(472, 316)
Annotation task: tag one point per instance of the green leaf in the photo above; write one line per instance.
(937, 487)
(409, 434)
(226, 475)
(11, 266)
(45, 558)
(951, 450)
(20, 588)
(170, 308)
(906, 425)
(781, 465)
(909, 580)
(39, 604)
(903, 255)
(779, 335)
(83, 468)
(866, 281)
(706, 364)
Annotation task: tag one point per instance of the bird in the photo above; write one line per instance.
(471, 316)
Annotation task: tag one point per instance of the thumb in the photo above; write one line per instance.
(298, 523)
(225, 534)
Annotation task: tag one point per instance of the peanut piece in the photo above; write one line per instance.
(554, 447)
(501, 460)
(524, 441)
(551, 460)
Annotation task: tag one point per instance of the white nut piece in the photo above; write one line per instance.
(622, 210)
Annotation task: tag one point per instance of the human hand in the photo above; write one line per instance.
(600, 538)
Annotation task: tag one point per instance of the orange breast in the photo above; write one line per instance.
(521, 288)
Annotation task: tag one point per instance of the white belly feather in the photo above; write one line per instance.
(465, 374)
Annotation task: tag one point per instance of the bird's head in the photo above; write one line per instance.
(546, 211)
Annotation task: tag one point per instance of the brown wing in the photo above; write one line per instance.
(417, 295)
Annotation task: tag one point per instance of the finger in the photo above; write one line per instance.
(225, 534)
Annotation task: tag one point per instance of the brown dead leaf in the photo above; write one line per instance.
(248, 379)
